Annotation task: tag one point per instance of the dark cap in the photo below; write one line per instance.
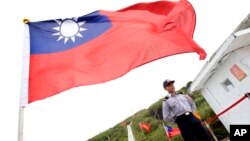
(167, 82)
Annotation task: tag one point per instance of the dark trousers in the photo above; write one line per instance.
(191, 128)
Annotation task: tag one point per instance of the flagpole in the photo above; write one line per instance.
(211, 131)
(24, 80)
(166, 131)
(20, 123)
(130, 133)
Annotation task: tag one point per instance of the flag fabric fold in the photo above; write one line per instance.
(145, 126)
(171, 132)
(104, 45)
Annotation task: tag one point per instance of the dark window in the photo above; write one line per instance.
(227, 85)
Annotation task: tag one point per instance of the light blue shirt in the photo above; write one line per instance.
(177, 105)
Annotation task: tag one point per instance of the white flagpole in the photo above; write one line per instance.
(24, 80)
(130, 133)
(20, 123)
(211, 131)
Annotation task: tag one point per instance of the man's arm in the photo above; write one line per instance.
(191, 102)
(166, 112)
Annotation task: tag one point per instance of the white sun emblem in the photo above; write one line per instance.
(68, 29)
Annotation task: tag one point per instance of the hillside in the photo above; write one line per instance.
(153, 115)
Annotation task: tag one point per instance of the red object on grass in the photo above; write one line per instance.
(145, 126)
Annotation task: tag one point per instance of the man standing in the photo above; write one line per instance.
(179, 108)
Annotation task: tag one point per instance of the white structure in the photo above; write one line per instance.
(130, 133)
(225, 78)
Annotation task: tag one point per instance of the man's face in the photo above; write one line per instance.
(170, 88)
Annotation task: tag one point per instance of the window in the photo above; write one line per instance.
(227, 85)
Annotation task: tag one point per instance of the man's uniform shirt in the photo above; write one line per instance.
(177, 105)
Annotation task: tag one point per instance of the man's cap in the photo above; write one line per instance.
(167, 82)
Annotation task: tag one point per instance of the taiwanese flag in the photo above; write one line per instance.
(171, 132)
(145, 126)
(105, 45)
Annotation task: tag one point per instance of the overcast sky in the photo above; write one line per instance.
(82, 112)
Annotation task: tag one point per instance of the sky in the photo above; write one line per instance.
(82, 112)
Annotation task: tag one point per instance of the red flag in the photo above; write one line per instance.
(145, 126)
(104, 45)
(171, 132)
